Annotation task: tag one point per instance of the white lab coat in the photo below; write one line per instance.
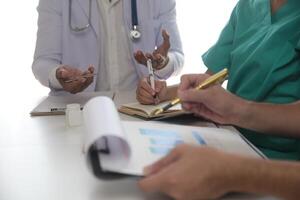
(57, 44)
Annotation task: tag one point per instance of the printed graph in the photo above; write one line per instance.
(161, 142)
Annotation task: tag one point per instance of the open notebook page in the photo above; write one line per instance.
(150, 108)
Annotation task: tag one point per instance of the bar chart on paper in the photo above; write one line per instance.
(162, 142)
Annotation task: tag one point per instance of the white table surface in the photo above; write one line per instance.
(41, 159)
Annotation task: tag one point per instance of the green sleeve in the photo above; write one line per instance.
(218, 56)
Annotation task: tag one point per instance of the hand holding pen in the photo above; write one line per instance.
(213, 103)
(200, 84)
(149, 90)
(74, 80)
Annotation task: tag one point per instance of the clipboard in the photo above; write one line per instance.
(56, 105)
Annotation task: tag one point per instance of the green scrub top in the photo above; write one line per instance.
(260, 50)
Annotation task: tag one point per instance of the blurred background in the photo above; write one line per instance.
(200, 23)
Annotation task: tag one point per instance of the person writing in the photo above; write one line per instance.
(191, 172)
(107, 41)
(259, 46)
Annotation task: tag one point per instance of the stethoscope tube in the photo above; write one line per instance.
(134, 33)
(134, 14)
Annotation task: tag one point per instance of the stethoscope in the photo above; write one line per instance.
(135, 34)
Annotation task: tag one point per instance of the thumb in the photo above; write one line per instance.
(62, 73)
(166, 37)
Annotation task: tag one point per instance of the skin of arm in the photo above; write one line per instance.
(188, 172)
(277, 178)
(221, 106)
(272, 118)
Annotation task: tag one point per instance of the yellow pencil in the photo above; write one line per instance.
(218, 77)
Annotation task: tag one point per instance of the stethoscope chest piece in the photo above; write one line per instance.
(135, 34)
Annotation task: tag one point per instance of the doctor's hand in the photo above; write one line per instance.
(159, 56)
(146, 95)
(74, 80)
(213, 103)
(192, 172)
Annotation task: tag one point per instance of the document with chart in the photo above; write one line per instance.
(126, 147)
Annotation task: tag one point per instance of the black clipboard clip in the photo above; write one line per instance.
(94, 157)
(104, 149)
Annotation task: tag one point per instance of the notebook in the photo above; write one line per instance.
(146, 111)
(126, 147)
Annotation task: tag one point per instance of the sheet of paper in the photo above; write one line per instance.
(149, 141)
(104, 130)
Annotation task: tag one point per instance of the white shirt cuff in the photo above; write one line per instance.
(168, 70)
(53, 82)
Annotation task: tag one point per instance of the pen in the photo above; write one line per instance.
(57, 109)
(151, 76)
(61, 109)
(77, 78)
(218, 77)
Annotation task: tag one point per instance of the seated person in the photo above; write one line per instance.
(191, 172)
(82, 41)
(259, 47)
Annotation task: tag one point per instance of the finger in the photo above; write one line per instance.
(186, 106)
(154, 183)
(146, 86)
(89, 80)
(188, 81)
(192, 96)
(150, 56)
(144, 100)
(166, 38)
(146, 95)
(62, 73)
(163, 162)
(140, 57)
(74, 87)
(91, 69)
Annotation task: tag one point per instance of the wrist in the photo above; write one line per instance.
(53, 80)
(164, 63)
(240, 174)
(241, 111)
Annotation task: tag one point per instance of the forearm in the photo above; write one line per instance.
(270, 118)
(281, 179)
(48, 52)
(42, 68)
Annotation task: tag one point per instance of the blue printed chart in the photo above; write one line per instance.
(161, 142)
